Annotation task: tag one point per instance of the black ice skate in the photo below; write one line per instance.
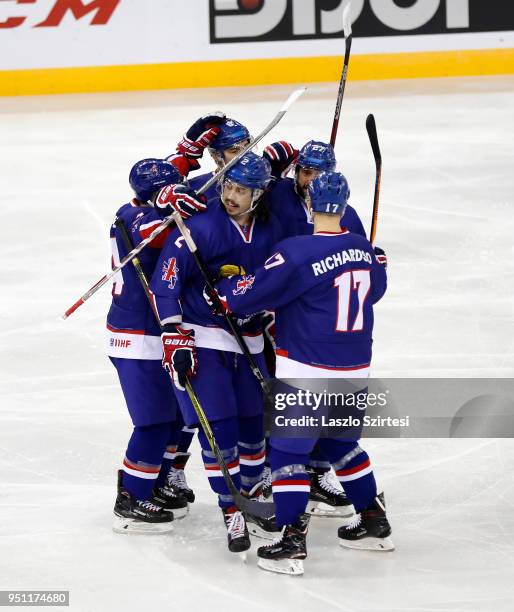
(326, 497)
(285, 555)
(177, 477)
(370, 530)
(238, 537)
(265, 528)
(133, 515)
(170, 498)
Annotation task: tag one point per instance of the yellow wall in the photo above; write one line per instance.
(255, 72)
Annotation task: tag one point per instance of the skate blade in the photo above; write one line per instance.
(292, 567)
(374, 544)
(258, 532)
(126, 525)
(179, 513)
(321, 509)
(243, 556)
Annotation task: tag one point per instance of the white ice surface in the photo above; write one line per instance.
(446, 221)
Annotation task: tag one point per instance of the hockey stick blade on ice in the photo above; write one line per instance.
(160, 228)
(246, 505)
(371, 128)
(347, 28)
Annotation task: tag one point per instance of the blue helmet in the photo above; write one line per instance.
(231, 132)
(317, 155)
(329, 193)
(149, 175)
(251, 171)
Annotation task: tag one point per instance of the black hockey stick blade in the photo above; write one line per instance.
(371, 128)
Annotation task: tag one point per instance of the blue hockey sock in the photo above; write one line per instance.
(143, 459)
(177, 446)
(353, 470)
(252, 452)
(318, 460)
(225, 433)
(290, 484)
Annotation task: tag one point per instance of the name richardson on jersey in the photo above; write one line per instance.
(336, 260)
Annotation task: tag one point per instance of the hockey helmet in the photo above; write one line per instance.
(317, 155)
(328, 193)
(251, 171)
(150, 175)
(231, 133)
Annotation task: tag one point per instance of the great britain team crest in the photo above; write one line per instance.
(170, 272)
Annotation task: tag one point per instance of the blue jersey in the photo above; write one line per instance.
(178, 284)
(292, 212)
(199, 181)
(322, 288)
(133, 331)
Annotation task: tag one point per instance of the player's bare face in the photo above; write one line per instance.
(237, 199)
(304, 177)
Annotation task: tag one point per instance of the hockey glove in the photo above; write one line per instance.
(179, 198)
(179, 358)
(282, 156)
(381, 256)
(218, 303)
(200, 135)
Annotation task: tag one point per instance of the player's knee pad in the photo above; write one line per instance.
(225, 433)
(251, 429)
(148, 443)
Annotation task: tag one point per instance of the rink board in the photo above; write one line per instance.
(269, 71)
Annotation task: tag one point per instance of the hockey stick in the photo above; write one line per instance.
(371, 128)
(347, 28)
(160, 228)
(217, 303)
(249, 506)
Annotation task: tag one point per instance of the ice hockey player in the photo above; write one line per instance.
(231, 138)
(287, 199)
(151, 487)
(322, 288)
(287, 195)
(198, 343)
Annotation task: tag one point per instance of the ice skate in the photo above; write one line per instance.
(170, 498)
(133, 515)
(326, 497)
(177, 477)
(238, 537)
(285, 555)
(370, 529)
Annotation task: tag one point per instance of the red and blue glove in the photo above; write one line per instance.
(179, 198)
(217, 303)
(381, 256)
(179, 360)
(282, 156)
(200, 135)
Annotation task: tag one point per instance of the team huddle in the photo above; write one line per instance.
(290, 263)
